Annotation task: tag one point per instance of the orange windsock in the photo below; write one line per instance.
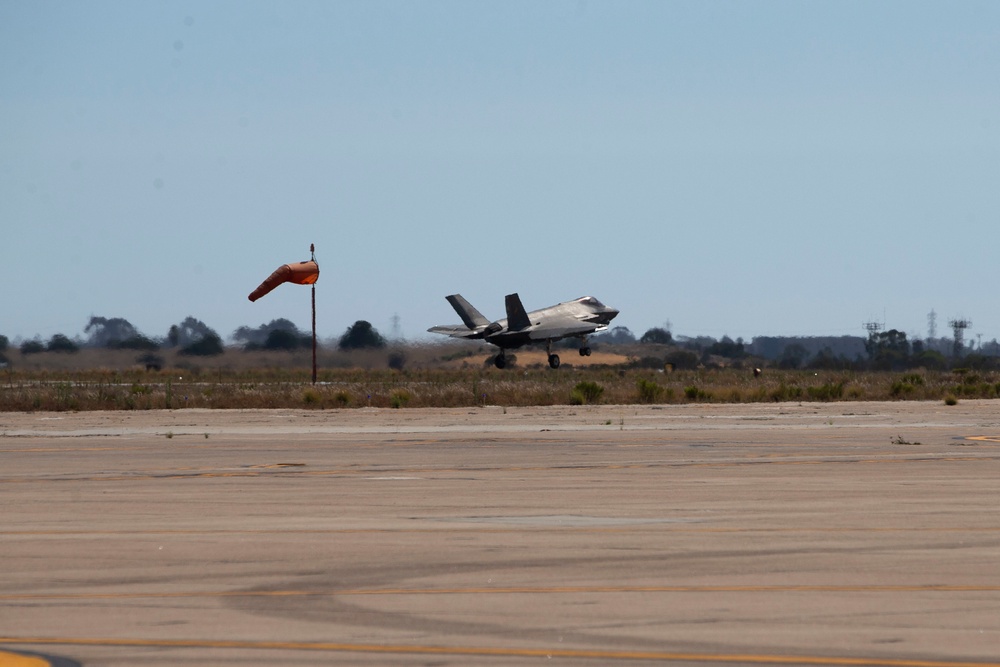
(300, 273)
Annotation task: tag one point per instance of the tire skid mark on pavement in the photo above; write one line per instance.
(285, 470)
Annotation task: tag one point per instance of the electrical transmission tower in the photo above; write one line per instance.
(959, 326)
(931, 325)
(871, 345)
(873, 328)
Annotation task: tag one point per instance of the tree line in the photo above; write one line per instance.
(191, 337)
(656, 347)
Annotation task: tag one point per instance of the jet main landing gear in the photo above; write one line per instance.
(553, 358)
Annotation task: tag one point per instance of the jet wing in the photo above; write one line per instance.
(563, 328)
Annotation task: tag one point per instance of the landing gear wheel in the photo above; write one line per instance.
(500, 361)
(584, 351)
(553, 361)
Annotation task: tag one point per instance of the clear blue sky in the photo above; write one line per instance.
(736, 168)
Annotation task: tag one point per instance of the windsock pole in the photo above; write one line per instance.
(312, 252)
(300, 273)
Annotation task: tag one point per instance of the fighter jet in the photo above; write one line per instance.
(578, 318)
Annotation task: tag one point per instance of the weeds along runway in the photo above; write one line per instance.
(819, 534)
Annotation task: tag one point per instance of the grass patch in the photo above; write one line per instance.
(241, 388)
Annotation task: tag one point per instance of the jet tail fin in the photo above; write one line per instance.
(517, 316)
(470, 316)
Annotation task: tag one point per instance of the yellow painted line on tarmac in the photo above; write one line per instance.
(508, 590)
(599, 654)
(983, 438)
(16, 660)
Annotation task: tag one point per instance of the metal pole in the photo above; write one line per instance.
(312, 251)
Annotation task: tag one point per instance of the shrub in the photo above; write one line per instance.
(826, 392)
(785, 392)
(649, 391)
(693, 393)
(901, 388)
(397, 360)
(152, 362)
(399, 398)
(586, 392)
(950, 400)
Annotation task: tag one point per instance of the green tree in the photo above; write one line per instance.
(361, 335)
(282, 339)
(137, 342)
(189, 332)
(60, 343)
(256, 337)
(109, 332)
(793, 355)
(616, 336)
(888, 350)
(32, 347)
(826, 360)
(208, 346)
(727, 347)
(657, 335)
(682, 359)
(174, 336)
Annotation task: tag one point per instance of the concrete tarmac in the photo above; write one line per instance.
(796, 534)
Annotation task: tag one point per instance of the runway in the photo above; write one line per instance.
(795, 534)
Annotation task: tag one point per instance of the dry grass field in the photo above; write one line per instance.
(435, 376)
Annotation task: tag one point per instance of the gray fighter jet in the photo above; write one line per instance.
(578, 318)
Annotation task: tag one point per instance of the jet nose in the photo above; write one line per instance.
(609, 314)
